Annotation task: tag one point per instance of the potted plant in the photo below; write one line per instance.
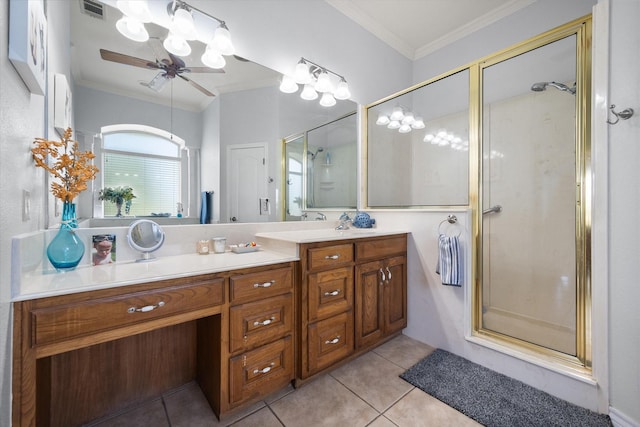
(120, 196)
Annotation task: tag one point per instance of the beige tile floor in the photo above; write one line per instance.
(365, 392)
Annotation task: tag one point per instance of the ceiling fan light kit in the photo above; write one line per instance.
(315, 78)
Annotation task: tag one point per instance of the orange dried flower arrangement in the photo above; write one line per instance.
(72, 168)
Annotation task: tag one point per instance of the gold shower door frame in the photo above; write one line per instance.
(580, 362)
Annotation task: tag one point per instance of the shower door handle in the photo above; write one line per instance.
(492, 209)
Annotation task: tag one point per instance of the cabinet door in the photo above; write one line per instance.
(395, 294)
(369, 307)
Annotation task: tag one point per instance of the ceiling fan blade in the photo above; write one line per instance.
(159, 51)
(196, 85)
(121, 58)
(202, 70)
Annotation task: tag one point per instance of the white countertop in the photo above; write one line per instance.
(281, 246)
(322, 235)
(87, 278)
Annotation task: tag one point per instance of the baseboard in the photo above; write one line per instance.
(621, 420)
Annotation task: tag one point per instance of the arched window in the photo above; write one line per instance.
(147, 159)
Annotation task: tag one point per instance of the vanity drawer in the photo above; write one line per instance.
(330, 292)
(330, 341)
(255, 286)
(261, 371)
(259, 322)
(329, 256)
(381, 248)
(77, 319)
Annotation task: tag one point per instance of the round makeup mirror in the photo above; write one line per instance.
(145, 236)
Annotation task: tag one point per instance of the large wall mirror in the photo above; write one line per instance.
(418, 145)
(320, 169)
(213, 112)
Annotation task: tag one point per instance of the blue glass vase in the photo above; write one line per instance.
(66, 249)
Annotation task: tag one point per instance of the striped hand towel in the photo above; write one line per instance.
(449, 260)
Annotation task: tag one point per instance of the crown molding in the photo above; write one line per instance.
(477, 24)
(358, 16)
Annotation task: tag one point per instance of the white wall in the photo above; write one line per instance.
(22, 118)
(624, 152)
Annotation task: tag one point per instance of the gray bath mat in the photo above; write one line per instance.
(493, 399)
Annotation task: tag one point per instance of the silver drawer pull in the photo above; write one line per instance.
(265, 369)
(332, 256)
(332, 294)
(384, 278)
(388, 274)
(264, 285)
(264, 322)
(333, 341)
(145, 308)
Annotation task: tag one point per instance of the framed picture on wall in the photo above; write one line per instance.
(62, 104)
(28, 42)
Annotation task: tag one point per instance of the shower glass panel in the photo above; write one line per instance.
(331, 164)
(293, 177)
(529, 197)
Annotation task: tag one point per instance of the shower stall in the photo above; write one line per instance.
(533, 265)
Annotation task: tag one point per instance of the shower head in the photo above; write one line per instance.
(540, 86)
(313, 155)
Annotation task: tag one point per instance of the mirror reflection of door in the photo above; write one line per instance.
(293, 182)
(247, 182)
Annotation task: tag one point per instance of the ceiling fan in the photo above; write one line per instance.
(170, 66)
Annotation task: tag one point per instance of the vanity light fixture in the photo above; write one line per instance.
(185, 23)
(316, 79)
(402, 119)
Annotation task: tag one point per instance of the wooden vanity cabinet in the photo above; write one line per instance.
(380, 289)
(82, 356)
(353, 296)
(261, 342)
(326, 305)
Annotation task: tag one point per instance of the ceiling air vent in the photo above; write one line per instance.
(93, 8)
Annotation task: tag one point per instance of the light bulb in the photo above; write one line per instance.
(177, 45)
(301, 74)
(212, 58)
(308, 93)
(132, 29)
(397, 114)
(404, 128)
(137, 9)
(222, 40)
(393, 124)
(342, 91)
(408, 118)
(288, 85)
(418, 123)
(182, 24)
(327, 100)
(383, 120)
(324, 83)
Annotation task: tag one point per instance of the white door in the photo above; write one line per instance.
(246, 182)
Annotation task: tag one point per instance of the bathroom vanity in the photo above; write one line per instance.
(241, 325)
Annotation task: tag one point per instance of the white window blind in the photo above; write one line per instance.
(155, 182)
